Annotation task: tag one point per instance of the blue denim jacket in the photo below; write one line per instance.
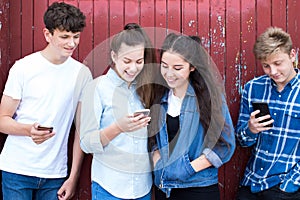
(176, 171)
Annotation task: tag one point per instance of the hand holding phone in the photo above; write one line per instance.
(264, 110)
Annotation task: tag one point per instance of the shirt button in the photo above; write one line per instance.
(267, 152)
(261, 168)
(253, 184)
(275, 114)
(279, 95)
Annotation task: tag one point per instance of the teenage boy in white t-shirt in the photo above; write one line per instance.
(44, 89)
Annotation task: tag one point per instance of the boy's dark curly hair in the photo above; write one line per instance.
(63, 16)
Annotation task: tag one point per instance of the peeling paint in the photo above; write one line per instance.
(191, 23)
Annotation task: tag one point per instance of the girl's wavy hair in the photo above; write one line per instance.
(205, 80)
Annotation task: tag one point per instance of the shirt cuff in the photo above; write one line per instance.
(212, 157)
(248, 133)
(95, 142)
(289, 186)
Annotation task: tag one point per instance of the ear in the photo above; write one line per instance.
(192, 68)
(113, 56)
(293, 55)
(47, 34)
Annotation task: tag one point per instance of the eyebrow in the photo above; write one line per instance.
(132, 59)
(178, 65)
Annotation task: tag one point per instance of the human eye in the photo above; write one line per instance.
(126, 61)
(278, 63)
(265, 66)
(177, 68)
(163, 65)
(64, 36)
(141, 61)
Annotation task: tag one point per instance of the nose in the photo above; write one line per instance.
(273, 70)
(71, 43)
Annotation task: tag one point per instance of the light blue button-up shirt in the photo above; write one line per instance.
(122, 167)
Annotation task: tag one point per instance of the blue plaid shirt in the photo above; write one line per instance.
(275, 157)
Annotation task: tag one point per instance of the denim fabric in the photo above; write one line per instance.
(20, 187)
(99, 193)
(175, 170)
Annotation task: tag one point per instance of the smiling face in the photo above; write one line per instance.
(279, 67)
(176, 72)
(129, 61)
(62, 43)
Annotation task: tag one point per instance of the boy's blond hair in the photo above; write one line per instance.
(272, 40)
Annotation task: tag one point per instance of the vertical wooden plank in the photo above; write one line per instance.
(189, 17)
(263, 21)
(116, 22)
(160, 22)
(38, 24)
(132, 11)
(147, 17)
(86, 38)
(27, 27)
(204, 23)
(293, 25)
(217, 33)
(15, 30)
(4, 48)
(233, 89)
(246, 72)
(99, 56)
(279, 13)
(248, 39)
(174, 16)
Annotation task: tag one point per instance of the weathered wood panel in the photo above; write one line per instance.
(227, 28)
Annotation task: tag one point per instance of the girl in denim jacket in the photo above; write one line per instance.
(193, 127)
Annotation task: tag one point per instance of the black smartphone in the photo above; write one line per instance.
(264, 110)
(45, 128)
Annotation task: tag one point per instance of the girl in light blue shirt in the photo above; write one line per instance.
(117, 139)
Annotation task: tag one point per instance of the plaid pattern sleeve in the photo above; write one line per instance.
(276, 153)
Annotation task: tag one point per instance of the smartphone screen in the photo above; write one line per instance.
(264, 110)
(146, 112)
(44, 128)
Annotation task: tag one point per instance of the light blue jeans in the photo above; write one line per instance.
(98, 193)
(21, 187)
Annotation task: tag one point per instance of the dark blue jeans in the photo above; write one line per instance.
(273, 193)
(21, 187)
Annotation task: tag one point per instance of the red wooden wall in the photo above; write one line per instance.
(227, 28)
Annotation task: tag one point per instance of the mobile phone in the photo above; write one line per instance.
(264, 110)
(145, 112)
(45, 128)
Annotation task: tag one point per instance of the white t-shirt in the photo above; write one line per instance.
(49, 95)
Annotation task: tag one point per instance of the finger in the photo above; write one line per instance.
(252, 115)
